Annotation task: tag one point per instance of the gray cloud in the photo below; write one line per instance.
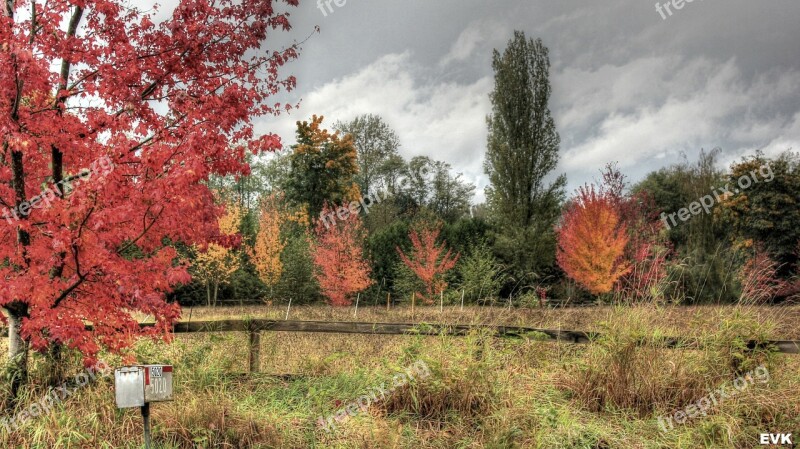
(628, 86)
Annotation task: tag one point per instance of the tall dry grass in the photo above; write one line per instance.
(483, 392)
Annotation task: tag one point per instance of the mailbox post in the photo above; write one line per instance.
(138, 386)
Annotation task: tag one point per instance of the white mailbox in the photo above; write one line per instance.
(136, 386)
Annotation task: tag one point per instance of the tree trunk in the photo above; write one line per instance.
(57, 364)
(208, 294)
(17, 310)
(17, 348)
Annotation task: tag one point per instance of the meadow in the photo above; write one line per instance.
(482, 391)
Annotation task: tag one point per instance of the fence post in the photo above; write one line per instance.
(388, 297)
(255, 350)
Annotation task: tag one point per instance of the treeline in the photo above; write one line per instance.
(341, 215)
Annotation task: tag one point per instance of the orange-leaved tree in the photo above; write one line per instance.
(268, 246)
(647, 249)
(592, 241)
(341, 269)
(429, 261)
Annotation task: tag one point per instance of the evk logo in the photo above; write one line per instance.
(776, 438)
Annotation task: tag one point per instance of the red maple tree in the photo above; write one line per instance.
(592, 241)
(647, 249)
(339, 259)
(429, 261)
(164, 105)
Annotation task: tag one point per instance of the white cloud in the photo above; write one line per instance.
(442, 120)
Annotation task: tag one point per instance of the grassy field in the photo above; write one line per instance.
(481, 392)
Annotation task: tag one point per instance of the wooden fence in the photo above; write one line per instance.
(256, 326)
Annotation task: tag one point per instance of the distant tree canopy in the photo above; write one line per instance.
(767, 211)
(431, 184)
(376, 147)
(611, 242)
(759, 214)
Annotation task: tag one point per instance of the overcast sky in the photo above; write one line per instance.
(628, 86)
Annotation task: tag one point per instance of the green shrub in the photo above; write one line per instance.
(481, 274)
(297, 280)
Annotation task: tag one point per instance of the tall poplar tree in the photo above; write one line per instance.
(522, 151)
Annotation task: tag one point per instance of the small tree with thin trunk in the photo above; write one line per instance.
(591, 241)
(268, 246)
(215, 264)
(341, 269)
(429, 261)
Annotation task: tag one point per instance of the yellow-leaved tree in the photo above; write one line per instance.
(268, 246)
(216, 264)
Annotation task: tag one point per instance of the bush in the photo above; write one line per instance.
(698, 277)
(381, 250)
(297, 280)
(481, 274)
(462, 383)
(405, 283)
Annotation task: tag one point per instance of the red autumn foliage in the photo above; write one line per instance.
(647, 249)
(89, 81)
(592, 241)
(429, 261)
(339, 259)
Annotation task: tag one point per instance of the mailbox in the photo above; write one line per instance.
(136, 386)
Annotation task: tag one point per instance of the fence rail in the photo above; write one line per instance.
(256, 326)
